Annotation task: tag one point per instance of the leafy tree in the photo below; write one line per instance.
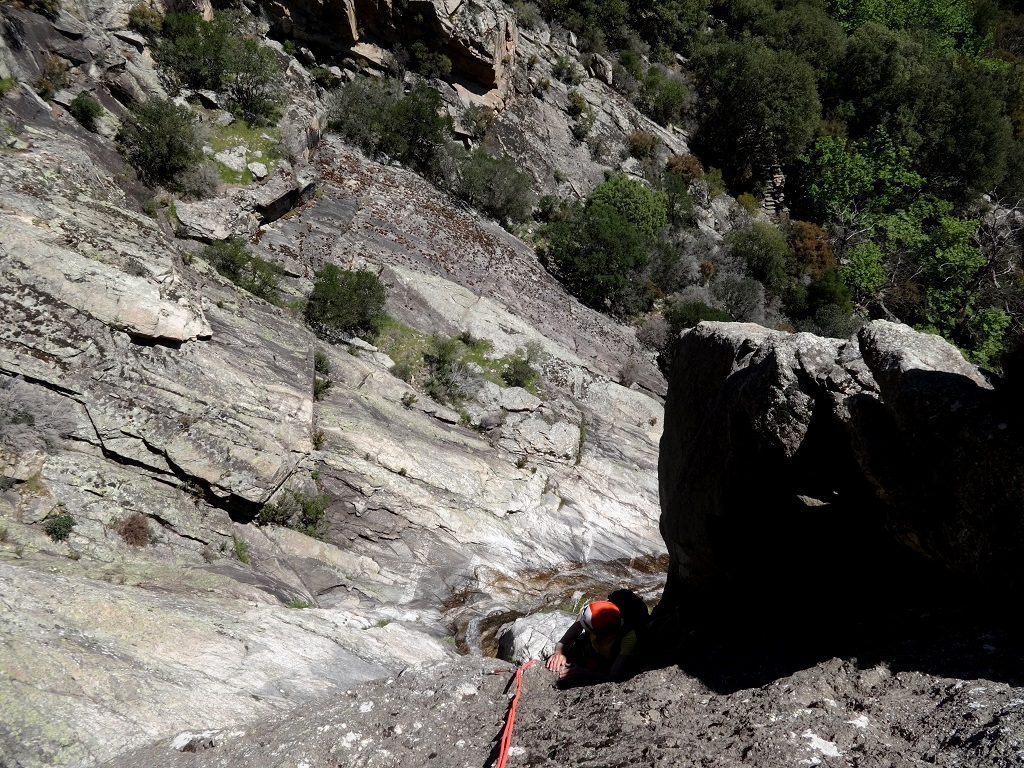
(161, 141)
(598, 247)
(759, 106)
(668, 23)
(767, 255)
(344, 301)
(662, 97)
(808, 32)
(251, 76)
(197, 50)
(494, 185)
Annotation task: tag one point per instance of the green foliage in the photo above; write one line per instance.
(758, 107)
(298, 510)
(808, 32)
(344, 302)
(217, 55)
(161, 141)
(321, 363)
(299, 603)
(864, 270)
(430, 64)
(565, 69)
(686, 314)
(950, 22)
(380, 120)
(864, 176)
(52, 78)
(7, 85)
(256, 275)
(251, 78)
(145, 19)
(196, 49)
(45, 7)
(598, 248)
(86, 111)
(241, 549)
(642, 144)
(494, 185)
(662, 97)
(522, 367)
(768, 256)
(59, 528)
(447, 373)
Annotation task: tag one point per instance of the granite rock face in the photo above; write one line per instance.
(776, 442)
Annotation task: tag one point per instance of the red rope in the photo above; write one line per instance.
(506, 735)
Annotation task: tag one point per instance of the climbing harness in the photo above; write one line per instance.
(506, 734)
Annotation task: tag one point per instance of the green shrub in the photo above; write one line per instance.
(161, 141)
(522, 367)
(430, 64)
(687, 314)
(344, 302)
(598, 248)
(565, 69)
(7, 85)
(494, 185)
(748, 203)
(59, 528)
(250, 272)
(145, 19)
(716, 184)
(447, 373)
(662, 97)
(53, 77)
(251, 81)
(321, 363)
(196, 49)
(299, 603)
(241, 549)
(86, 111)
(642, 144)
(298, 510)
(375, 116)
(584, 123)
(45, 7)
(577, 104)
(321, 387)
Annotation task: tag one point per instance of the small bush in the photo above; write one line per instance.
(321, 387)
(565, 69)
(522, 368)
(344, 302)
(45, 7)
(241, 549)
(716, 184)
(321, 363)
(577, 104)
(297, 603)
(134, 529)
(642, 144)
(662, 97)
(430, 64)
(161, 141)
(528, 15)
(748, 203)
(7, 85)
(86, 111)
(687, 314)
(584, 124)
(298, 510)
(448, 375)
(686, 167)
(59, 528)
(250, 272)
(53, 77)
(144, 19)
(494, 185)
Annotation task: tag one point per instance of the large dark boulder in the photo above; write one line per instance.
(801, 472)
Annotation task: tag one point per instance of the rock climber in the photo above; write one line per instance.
(598, 647)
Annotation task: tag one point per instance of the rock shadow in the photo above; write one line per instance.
(815, 561)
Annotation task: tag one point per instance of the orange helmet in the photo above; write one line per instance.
(599, 616)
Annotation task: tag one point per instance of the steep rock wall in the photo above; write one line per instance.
(783, 450)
